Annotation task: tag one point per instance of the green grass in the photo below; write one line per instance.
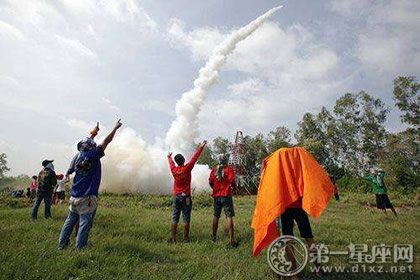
(128, 240)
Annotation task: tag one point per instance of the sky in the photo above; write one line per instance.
(66, 64)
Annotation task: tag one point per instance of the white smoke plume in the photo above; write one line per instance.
(184, 130)
(131, 165)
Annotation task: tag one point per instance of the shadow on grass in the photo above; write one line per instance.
(133, 250)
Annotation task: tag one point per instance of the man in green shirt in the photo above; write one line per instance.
(46, 182)
(376, 178)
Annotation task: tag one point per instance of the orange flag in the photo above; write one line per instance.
(288, 174)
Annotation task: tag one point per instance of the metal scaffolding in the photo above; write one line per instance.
(237, 162)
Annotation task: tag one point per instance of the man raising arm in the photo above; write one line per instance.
(181, 201)
(84, 192)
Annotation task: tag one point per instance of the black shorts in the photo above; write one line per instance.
(225, 202)
(382, 201)
(181, 203)
(302, 220)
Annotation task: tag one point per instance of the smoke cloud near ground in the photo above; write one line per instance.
(132, 165)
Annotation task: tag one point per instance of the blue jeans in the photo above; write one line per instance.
(85, 224)
(37, 203)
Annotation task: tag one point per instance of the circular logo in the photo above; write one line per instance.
(287, 255)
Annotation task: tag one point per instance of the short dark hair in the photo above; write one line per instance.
(34, 177)
(179, 159)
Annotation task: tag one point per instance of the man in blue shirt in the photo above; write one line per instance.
(84, 191)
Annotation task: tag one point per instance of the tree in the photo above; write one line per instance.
(407, 100)
(278, 138)
(310, 136)
(400, 159)
(207, 157)
(360, 122)
(255, 152)
(318, 135)
(3, 165)
(221, 146)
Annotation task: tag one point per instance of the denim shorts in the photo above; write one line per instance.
(181, 203)
(224, 202)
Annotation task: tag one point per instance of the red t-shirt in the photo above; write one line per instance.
(34, 185)
(223, 187)
(182, 174)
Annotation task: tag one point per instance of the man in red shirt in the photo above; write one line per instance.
(222, 180)
(181, 201)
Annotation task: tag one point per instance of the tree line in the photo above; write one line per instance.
(347, 140)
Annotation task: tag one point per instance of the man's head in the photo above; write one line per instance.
(373, 171)
(34, 177)
(179, 159)
(48, 164)
(86, 144)
(223, 159)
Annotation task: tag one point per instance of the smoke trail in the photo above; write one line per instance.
(184, 129)
(131, 165)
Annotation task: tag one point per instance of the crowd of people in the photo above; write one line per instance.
(86, 165)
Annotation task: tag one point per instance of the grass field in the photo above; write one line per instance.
(128, 240)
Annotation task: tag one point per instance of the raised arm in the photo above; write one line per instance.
(111, 135)
(171, 161)
(367, 177)
(196, 155)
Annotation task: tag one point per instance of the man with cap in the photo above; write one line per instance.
(84, 192)
(222, 181)
(46, 183)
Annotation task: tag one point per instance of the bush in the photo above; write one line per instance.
(354, 184)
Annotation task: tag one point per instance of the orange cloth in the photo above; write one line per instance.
(288, 174)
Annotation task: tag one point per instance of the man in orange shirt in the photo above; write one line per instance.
(222, 180)
(181, 201)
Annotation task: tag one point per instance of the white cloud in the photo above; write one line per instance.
(9, 31)
(157, 106)
(123, 11)
(6, 147)
(348, 7)
(76, 46)
(80, 125)
(38, 13)
(387, 37)
(249, 85)
(9, 82)
(110, 104)
(200, 41)
(128, 10)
